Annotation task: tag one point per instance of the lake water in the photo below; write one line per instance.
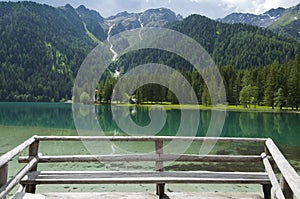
(19, 121)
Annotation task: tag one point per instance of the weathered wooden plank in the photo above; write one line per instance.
(127, 177)
(143, 180)
(158, 173)
(11, 154)
(147, 138)
(146, 157)
(17, 178)
(272, 176)
(288, 172)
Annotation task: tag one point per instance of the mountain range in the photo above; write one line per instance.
(42, 47)
(280, 20)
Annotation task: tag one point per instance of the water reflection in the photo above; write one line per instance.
(51, 115)
(283, 128)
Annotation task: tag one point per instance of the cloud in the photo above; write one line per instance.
(269, 4)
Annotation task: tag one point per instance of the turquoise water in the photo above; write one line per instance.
(19, 121)
(283, 128)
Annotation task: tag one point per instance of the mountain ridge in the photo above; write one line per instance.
(282, 21)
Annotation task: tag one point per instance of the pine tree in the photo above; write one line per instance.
(294, 84)
(271, 85)
(206, 97)
(279, 99)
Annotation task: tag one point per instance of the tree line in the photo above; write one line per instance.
(276, 85)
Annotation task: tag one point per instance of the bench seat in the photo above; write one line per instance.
(144, 177)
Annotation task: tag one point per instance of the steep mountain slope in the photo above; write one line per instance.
(289, 23)
(94, 22)
(41, 48)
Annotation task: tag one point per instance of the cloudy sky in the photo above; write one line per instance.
(210, 8)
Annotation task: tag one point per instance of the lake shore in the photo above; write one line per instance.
(235, 108)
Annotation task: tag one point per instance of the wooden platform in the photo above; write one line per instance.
(153, 196)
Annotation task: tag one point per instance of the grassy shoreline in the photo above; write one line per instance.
(236, 108)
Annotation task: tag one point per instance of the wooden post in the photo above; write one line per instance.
(160, 188)
(3, 175)
(287, 191)
(267, 191)
(267, 188)
(33, 151)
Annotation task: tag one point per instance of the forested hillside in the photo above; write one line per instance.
(255, 63)
(239, 45)
(42, 48)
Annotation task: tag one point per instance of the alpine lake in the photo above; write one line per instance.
(20, 121)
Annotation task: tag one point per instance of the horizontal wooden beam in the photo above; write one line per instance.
(145, 157)
(4, 190)
(273, 178)
(11, 154)
(147, 138)
(144, 177)
(287, 171)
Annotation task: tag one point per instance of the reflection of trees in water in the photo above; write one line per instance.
(282, 128)
(36, 114)
(278, 127)
(172, 123)
(250, 125)
(205, 117)
(139, 115)
(231, 127)
(105, 118)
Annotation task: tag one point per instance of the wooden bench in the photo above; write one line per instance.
(160, 177)
(157, 177)
(29, 176)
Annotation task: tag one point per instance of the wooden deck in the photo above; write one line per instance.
(118, 195)
(29, 176)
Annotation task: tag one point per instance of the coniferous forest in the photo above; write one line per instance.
(42, 48)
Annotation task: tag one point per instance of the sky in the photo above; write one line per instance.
(211, 8)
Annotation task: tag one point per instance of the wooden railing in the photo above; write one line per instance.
(289, 186)
(6, 187)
